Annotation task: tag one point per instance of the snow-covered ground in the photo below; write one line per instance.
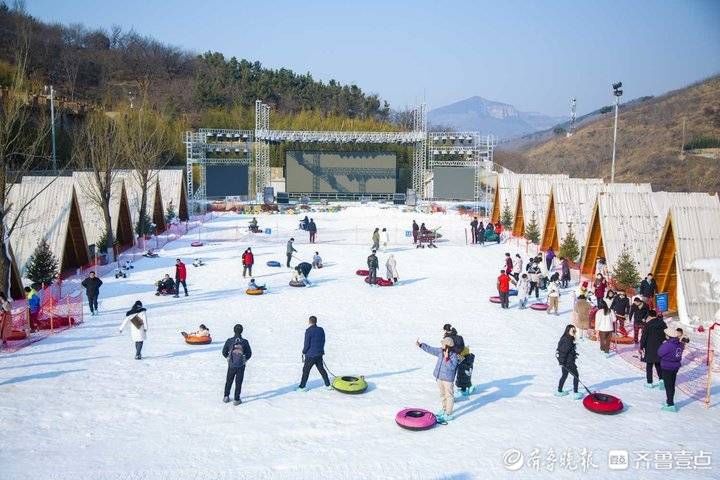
(78, 406)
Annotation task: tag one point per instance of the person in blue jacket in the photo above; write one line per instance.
(312, 354)
(445, 367)
(33, 300)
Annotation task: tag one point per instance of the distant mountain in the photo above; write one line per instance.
(490, 117)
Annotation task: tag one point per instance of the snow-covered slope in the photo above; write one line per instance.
(78, 406)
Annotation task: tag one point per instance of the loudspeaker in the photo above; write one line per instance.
(268, 195)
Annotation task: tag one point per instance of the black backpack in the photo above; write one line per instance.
(237, 354)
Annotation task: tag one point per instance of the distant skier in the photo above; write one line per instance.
(444, 373)
(289, 251)
(137, 318)
(248, 260)
(652, 338)
(391, 267)
(180, 276)
(237, 352)
(312, 354)
(312, 230)
(373, 264)
(92, 290)
(566, 355)
(376, 239)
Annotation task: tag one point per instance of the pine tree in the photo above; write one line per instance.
(569, 247)
(625, 273)
(144, 225)
(170, 214)
(42, 266)
(532, 232)
(507, 216)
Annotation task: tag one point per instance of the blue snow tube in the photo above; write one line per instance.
(273, 263)
(512, 293)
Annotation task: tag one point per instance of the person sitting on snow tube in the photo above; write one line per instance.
(254, 225)
(202, 331)
(254, 286)
(302, 270)
(317, 261)
(150, 253)
(166, 286)
(304, 223)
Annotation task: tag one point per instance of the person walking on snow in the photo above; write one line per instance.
(638, 314)
(653, 336)
(516, 266)
(180, 276)
(312, 354)
(391, 267)
(534, 277)
(620, 307)
(480, 233)
(670, 353)
(376, 239)
(312, 230)
(289, 251)
(522, 286)
(508, 264)
(473, 229)
(92, 290)
(5, 318)
(566, 355)
(373, 265)
(445, 368)
(564, 272)
(648, 289)
(503, 286)
(137, 318)
(248, 260)
(237, 352)
(553, 297)
(549, 258)
(604, 326)
(385, 238)
(599, 286)
(415, 230)
(581, 312)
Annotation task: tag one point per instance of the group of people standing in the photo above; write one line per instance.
(480, 232)
(373, 264)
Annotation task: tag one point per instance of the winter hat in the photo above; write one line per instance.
(672, 333)
(585, 284)
(447, 342)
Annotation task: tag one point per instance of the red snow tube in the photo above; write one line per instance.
(362, 273)
(539, 306)
(17, 335)
(381, 282)
(197, 340)
(603, 403)
(196, 243)
(57, 322)
(626, 340)
(415, 419)
(495, 299)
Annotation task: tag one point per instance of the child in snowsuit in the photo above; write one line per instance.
(445, 367)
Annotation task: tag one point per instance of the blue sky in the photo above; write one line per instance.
(535, 55)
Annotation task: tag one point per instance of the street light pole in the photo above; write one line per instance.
(618, 93)
(51, 90)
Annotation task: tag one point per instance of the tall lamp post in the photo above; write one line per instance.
(50, 91)
(617, 91)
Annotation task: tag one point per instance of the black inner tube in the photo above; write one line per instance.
(349, 379)
(415, 414)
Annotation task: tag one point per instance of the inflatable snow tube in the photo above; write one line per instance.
(350, 384)
(415, 419)
(196, 243)
(17, 335)
(512, 293)
(273, 263)
(198, 340)
(539, 306)
(603, 403)
(362, 273)
(254, 291)
(495, 299)
(626, 340)
(57, 322)
(293, 283)
(380, 282)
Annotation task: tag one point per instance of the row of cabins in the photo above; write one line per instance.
(670, 234)
(63, 211)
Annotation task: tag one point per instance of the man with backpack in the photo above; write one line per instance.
(312, 354)
(237, 351)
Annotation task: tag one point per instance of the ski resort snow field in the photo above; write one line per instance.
(77, 405)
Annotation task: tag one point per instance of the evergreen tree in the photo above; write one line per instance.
(625, 273)
(507, 216)
(532, 232)
(144, 225)
(569, 247)
(170, 214)
(42, 266)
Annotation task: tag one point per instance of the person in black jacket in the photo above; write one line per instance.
(620, 305)
(312, 230)
(648, 289)
(92, 290)
(237, 351)
(415, 231)
(566, 355)
(312, 354)
(638, 314)
(473, 229)
(373, 264)
(653, 336)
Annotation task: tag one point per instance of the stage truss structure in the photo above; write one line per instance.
(245, 147)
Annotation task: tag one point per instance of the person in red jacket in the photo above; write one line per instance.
(248, 260)
(180, 276)
(503, 286)
(498, 231)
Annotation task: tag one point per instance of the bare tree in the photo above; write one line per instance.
(144, 137)
(96, 148)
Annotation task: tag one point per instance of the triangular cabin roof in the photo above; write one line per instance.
(571, 205)
(663, 201)
(173, 191)
(691, 234)
(93, 218)
(533, 197)
(134, 194)
(506, 191)
(53, 215)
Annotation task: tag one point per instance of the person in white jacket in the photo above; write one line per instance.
(604, 325)
(391, 266)
(385, 238)
(517, 266)
(523, 285)
(137, 319)
(543, 271)
(553, 297)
